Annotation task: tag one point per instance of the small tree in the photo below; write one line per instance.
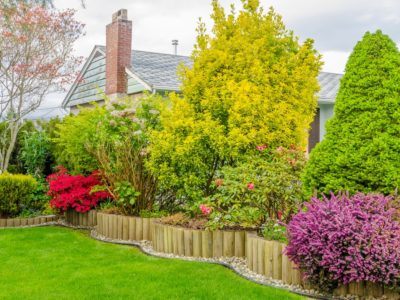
(252, 82)
(36, 58)
(361, 149)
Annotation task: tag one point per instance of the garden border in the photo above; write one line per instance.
(146, 248)
(152, 238)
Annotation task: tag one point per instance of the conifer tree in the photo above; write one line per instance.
(361, 149)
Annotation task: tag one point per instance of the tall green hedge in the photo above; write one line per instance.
(16, 193)
(361, 149)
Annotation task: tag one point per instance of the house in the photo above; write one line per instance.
(118, 70)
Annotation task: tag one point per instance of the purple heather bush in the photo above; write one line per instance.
(345, 238)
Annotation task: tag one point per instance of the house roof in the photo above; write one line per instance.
(329, 83)
(158, 71)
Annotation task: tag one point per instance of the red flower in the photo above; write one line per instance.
(250, 186)
(205, 209)
(279, 215)
(261, 147)
(74, 192)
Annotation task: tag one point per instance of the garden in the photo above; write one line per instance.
(217, 173)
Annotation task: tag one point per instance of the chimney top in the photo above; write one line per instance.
(121, 14)
(175, 45)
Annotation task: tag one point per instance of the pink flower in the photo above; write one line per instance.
(219, 182)
(280, 149)
(205, 209)
(250, 186)
(261, 147)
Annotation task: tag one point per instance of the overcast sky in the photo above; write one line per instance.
(335, 25)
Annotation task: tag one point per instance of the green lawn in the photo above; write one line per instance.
(60, 263)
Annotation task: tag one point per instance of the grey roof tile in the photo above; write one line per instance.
(159, 70)
(329, 83)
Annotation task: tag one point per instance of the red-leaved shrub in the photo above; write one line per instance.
(344, 239)
(74, 192)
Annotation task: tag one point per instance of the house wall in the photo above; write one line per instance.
(326, 112)
(92, 83)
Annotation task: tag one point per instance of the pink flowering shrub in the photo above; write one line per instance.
(344, 239)
(263, 186)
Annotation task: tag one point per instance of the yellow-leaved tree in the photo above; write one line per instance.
(252, 82)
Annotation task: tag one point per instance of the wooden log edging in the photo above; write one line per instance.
(199, 243)
(125, 228)
(28, 222)
(81, 220)
(266, 258)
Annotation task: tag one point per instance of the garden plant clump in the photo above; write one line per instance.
(344, 239)
(231, 101)
(17, 194)
(262, 188)
(80, 193)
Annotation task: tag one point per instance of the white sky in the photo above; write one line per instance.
(335, 25)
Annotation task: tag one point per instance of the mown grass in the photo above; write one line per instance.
(60, 263)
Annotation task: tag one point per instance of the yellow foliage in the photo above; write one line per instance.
(251, 83)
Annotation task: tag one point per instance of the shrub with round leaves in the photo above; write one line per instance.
(344, 239)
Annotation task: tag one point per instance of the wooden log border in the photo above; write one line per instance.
(74, 218)
(199, 243)
(24, 222)
(125, 228)
(266, 258)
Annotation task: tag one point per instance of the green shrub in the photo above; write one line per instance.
(35, 153)
(16, 165)
(119, 149)
(265, 186)
(360, 151)
(73, 137)
(16, 194)
(274, 231)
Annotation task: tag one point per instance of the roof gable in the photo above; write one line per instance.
(90, 79)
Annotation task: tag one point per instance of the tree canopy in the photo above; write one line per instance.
(252, 82)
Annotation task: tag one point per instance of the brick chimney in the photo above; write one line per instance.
(118, 53)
